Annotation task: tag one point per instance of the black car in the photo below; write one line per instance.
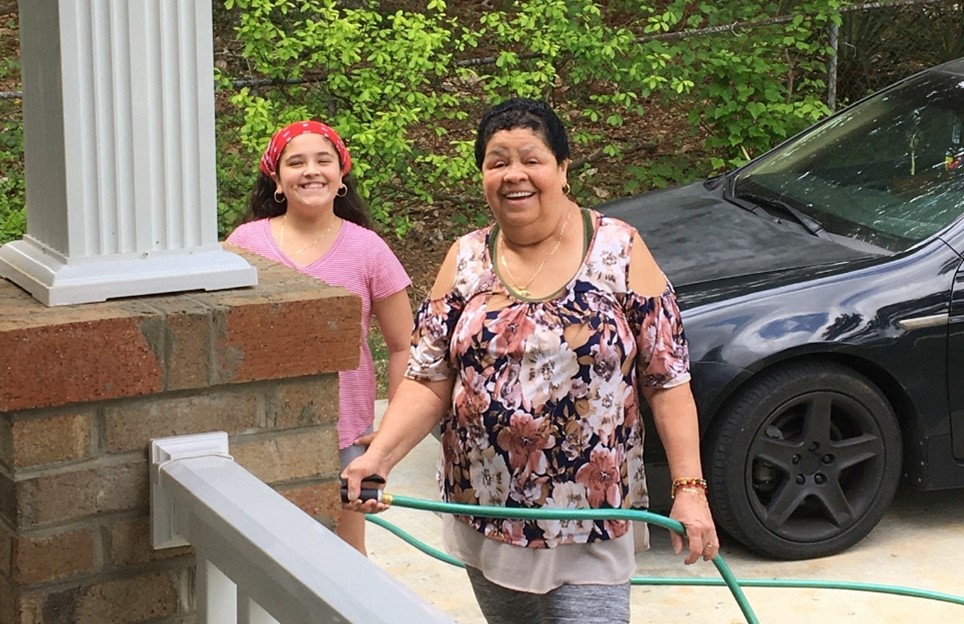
(823, 299)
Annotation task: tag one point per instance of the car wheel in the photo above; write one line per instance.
(804, 462)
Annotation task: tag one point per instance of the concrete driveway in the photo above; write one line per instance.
(919, 544)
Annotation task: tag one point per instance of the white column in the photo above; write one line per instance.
(118, 101)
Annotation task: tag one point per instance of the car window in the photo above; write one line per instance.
(888, 171)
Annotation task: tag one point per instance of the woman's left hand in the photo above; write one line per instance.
(692, 510)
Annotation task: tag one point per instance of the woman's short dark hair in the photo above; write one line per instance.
(523, 113)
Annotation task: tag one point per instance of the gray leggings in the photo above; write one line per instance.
(568, 604)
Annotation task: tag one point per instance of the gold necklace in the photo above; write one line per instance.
(281, 237)
(524, 289)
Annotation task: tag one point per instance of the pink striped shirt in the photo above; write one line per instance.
(361, 262)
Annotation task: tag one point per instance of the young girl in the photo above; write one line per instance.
(305, 212)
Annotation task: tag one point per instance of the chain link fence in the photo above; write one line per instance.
(875, 44)
(879, 43)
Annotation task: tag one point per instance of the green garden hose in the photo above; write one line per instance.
(735, 585)
(574, 514)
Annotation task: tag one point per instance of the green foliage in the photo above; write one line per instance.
(402, 85)
(233, 171)
(406, 80)
(751, 88)
(379, 78)
(565, 51)
(13, 217)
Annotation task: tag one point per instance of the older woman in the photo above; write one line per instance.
(530, 349)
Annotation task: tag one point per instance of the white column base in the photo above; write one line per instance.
(54, 280)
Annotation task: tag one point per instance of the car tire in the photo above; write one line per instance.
(804, 462)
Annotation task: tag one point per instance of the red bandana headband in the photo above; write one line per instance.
(281, 138)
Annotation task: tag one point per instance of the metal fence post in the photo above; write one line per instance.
(832, 66)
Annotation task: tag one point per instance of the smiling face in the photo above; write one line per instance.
(522, 180)
(308, 172)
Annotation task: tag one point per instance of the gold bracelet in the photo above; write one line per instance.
(688, 483)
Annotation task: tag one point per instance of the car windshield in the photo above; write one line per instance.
(888, 172)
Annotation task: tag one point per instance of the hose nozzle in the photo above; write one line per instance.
(368, 492)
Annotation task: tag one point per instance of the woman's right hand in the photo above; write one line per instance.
(355, 474)
(415, 409)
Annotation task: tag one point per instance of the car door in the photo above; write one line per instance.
(955, 365)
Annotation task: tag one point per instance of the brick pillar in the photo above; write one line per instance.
(83, 389)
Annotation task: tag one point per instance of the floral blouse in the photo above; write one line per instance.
(544, 409)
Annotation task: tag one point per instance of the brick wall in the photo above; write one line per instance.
(84, 388)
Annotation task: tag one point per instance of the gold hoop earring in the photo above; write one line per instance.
(566, 188)
(279, 201)
(342, 191)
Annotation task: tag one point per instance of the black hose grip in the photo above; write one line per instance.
(367, 493)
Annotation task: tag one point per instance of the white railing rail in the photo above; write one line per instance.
(260, 559)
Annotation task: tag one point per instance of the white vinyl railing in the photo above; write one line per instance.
(260, 559)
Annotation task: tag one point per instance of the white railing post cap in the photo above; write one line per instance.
(164, 533)
(195, 445)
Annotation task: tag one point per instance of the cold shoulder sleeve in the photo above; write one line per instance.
(435, 321)
(662, 352)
